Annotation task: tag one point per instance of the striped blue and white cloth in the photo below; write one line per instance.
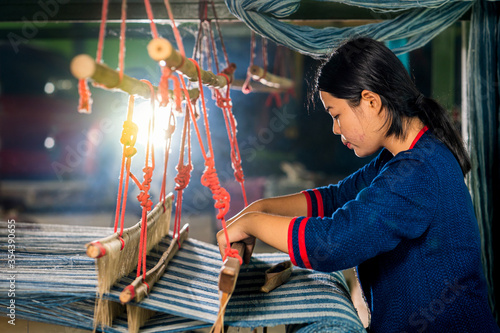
(56, 282)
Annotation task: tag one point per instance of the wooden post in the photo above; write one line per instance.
(160, 49)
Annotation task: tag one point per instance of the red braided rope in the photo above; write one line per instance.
(209, 177)
(144, 197)
(225, 104)
(152, 24)
(184, 175)
(121, 56)
(85, 101)
(128, 140)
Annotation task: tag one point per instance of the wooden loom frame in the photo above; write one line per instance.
(161, 50)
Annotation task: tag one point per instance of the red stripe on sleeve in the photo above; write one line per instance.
(309, 203)
(302, 243)
(419, 135)
(290, 241)
(319, 200)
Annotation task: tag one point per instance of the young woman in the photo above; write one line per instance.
(405, 220)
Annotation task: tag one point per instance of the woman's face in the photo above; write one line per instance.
(361, 129)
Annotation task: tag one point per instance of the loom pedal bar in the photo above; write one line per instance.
(230, 270)
(227, 282)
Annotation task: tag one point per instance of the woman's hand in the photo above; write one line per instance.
(271, 229)
(237, 233)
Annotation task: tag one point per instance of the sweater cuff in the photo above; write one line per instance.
(297, 243)
(315, 206)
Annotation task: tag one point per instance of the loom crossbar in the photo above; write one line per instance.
(160, 49)
(84, 66)
(270, 80)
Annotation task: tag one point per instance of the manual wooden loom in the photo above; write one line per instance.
(108, 251)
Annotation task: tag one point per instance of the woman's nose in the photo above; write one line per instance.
(336, 127)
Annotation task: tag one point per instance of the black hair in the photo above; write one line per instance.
(365, 64)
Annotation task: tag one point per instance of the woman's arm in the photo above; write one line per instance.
(287, 205)
(271, 229)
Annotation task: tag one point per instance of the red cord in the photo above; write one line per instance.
(226, 106)
(209, 177)
(102, 30)
(121, 56)
(149, 12)
(85, 101)
(183, 176)
(128, 140)
(144, 197)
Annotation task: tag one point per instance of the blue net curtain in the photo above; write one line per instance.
(420, 22)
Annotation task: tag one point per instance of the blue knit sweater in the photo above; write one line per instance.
(407, 223)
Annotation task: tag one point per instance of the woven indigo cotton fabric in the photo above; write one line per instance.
(56, 283)
(426, 20)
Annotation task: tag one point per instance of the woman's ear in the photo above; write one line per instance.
(372, 100)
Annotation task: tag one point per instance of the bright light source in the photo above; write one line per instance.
(141, 117)
(49, 88)
(163, 63)
(49, 142)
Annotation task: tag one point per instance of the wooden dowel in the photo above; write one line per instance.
(96, 249)
(84, 67)
(270, 80)
(257, 87)
(160, 49)
(137, 290)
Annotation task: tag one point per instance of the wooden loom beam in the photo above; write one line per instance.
(160, 49)
(84, 67)
(137, 290)
(270, 80)
(96, 248)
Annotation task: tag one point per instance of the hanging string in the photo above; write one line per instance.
(184, 174)
(177, 35)
(246, 88)
(128, 140)
(152, 23)
(121, 56)
(144, 197)
(168, 137)
(226, 58)
(225, 104)
(102, 31)
(209, 177)
(85, 99)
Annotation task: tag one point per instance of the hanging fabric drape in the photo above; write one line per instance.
(483, 131)
(426, 20)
